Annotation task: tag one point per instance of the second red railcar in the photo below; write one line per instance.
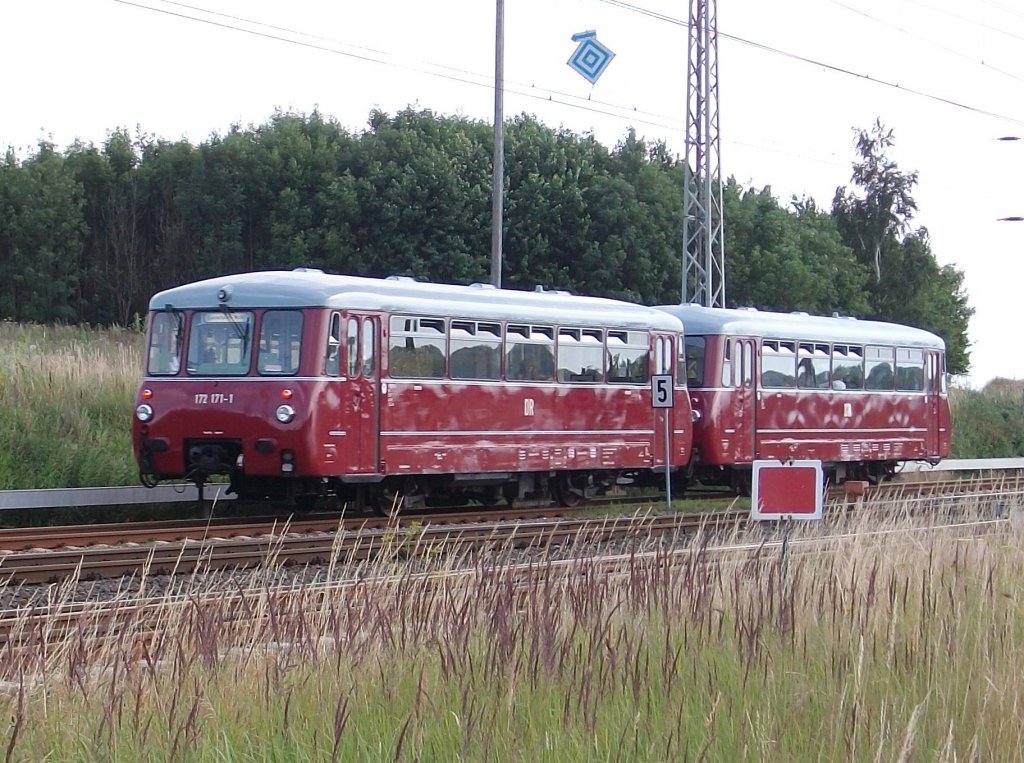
(860, 396)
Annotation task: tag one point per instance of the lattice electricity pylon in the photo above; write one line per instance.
(703, 233)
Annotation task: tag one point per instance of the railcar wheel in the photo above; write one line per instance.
(742, 482)
(306, 502)
(570, 490)
(394, 498)
(489, 498)
(389, 503)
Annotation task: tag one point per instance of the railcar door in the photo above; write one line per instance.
(933, 387)
(744, 410)
(361, 404)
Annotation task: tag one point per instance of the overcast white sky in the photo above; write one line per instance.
(79, 68)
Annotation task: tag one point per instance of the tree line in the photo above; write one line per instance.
(89, 233)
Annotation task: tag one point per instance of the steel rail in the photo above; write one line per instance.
(24, 631)
(345, 546)
(89, 535)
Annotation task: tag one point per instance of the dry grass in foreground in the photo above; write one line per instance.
(894, 645)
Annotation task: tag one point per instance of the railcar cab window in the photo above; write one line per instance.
(909, 370)
(878, 366)
(417, 349)
(219, 343)
(475, 349)
(628, 357)
(778, 364)
(166, 332)
(580, 355)
(530, 353)
(280, 343)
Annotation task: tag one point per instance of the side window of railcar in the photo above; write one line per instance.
(220, 343)
(332, 363)
(778, 364)
(165, 340)
(352, 348)
(692, 364)
(878, 367)
(663, 353)
(847, 367)
(748, 363)
(936, 373)
(580, 355)
(909, 370)
(529, 353)
(475, 350)
(812, 367)
(417, 349)
(732, 363)
(368, 348)
(628, 357)
(280, 341)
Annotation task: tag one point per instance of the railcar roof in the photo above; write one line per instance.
(293, 289)
(814, 328)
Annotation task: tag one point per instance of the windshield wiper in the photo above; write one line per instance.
(241, 327)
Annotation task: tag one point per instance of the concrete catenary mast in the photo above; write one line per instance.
(703, 234)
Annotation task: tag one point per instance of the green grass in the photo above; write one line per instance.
(66, 397)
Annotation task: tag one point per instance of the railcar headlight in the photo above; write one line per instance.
(143, 412)
(284, 413)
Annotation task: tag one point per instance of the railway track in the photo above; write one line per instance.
(25, 635)
(46, 555)
(334, 542)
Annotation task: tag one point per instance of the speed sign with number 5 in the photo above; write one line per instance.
(661, 391)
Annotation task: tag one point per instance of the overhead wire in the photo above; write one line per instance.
(454, 74)
(926, 40)
(974, 21)
(463, 76)
(652, 119)
(821, 64)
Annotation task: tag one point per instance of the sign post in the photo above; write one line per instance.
(663, 396)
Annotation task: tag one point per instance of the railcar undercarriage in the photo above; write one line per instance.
(390, 495)
(396, 494)
(739, 478)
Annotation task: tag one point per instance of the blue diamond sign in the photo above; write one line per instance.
(590, 58)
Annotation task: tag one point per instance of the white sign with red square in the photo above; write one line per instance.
(787, 490)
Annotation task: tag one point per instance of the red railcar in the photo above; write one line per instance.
(860, 396)
(301, 384)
